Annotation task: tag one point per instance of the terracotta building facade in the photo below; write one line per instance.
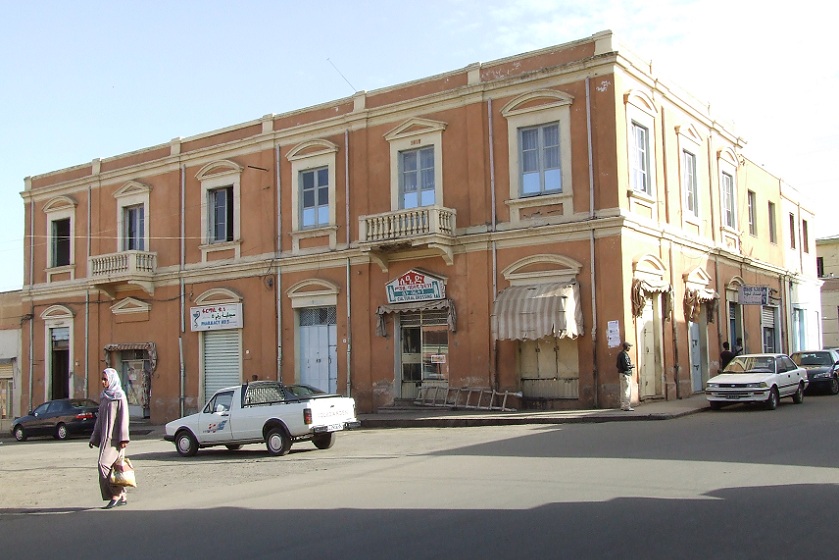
(503, 227)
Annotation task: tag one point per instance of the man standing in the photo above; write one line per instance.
(625, 368)
(726, 355)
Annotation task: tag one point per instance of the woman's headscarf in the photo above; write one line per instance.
(113, 391)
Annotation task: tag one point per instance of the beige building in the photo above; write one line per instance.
(827, 249)
(503, 226)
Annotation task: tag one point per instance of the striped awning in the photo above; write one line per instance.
(536, 311)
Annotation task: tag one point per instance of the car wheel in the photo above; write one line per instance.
(277, 442)
(773, 399)
(324, 441)
(798, 397)
(235, 447)
(715, 405)
(186, 444)
(60, 432)
(834, 386)
(20, 434)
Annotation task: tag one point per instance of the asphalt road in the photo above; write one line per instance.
(739, 483)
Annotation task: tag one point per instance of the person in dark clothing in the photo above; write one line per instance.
(738, 348)
(726, 355)
(625, 368)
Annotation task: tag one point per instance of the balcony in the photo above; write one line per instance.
(428, 227)
(106, 272)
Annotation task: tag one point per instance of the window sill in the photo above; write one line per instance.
(641, 196)
(563, 202)
(65, 272)
(210, 248)
(314, 233)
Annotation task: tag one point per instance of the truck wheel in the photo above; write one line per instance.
(277, 442)
(185, 444)
(324, 441)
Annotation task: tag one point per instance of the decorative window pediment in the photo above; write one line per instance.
(218, 295)
(310, 149)
(729, 156)
(641, 100)
(538, 100)
(543, 268)
(60, 203)
(219, 168)
(697, 277)
(689, 132)
(57, 312)
(313, 293)
(130, 305)
(133, 188)
(414, 127)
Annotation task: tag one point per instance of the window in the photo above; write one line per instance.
(314, 200)
(752, 201)
(133, 223)
(728, 212)
(820, 266)
(805, 237)
(416, 178)
(221, 205)
(60, 241)
(773, 234)
(792, 231)
(641, 159)
(539, 160)
(689, 182)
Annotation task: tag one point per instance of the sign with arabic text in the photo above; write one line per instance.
(415, 286)
(216, 317)
(754, 295)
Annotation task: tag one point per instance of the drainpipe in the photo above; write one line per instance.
(672, 309)
(279, 298)
(591, 215)
(347, 218)
(494, 343)
(87, 301)
(181, 366)
(32, 307)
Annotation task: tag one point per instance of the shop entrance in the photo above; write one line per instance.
(60, 363)
(424, 355)
(319, 348)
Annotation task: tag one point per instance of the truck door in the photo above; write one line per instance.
(214, 421)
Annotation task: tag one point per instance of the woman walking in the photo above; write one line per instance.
(110, 434)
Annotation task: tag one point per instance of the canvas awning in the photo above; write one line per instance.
(413, 307)
(536, 311)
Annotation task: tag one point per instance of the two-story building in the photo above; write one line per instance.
(502, 226)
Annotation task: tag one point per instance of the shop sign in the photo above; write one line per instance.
(216, 317)
(415, 286)
(754, 295)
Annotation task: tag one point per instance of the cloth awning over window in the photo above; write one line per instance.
(413, 307)
(149, 347)
(536, 311)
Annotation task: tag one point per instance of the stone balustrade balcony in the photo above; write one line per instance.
(430, 227)
(106, 272)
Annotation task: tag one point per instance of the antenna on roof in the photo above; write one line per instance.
(339, 72)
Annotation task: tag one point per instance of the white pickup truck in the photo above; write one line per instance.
(263, 411)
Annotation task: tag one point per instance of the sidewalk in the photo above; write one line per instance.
(433, 417)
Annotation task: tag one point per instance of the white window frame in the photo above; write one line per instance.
(690, 184)
(773, 222)
(414, 134)
(728, 200)
(218, 175)
(130, 195)
(538, 108)
(419, 175)
(57, 209)
(57, 317)
(689, 144)
(641, 112)
(306, 156)
(540, 153)
(751, 200)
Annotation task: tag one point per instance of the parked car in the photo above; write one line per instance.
(757, 378)
(58, 418)
(822, 368)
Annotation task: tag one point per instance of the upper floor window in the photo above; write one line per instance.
(220, 207)
(805, 237)
(416, 164)
(221, 218)
(792, 231)
(416, 178)
(689, 183)
(728, 211)
(752, 202)
(60, 242)
(132, 210)
(314, 204)
(640, 158)
(820, 266)
(133, 228)
(539, 160)
(773, 232)
(539, 152)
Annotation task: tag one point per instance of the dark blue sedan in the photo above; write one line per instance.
(822, 368)
(59, 418)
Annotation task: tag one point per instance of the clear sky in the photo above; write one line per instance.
(82, 80)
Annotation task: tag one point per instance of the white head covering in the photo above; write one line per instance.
(114, 390)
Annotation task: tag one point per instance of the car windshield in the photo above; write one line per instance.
(751, 364)
(812, 358)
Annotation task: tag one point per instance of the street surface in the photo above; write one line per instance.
(740, 483)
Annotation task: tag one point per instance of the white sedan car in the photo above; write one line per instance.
(760, 378)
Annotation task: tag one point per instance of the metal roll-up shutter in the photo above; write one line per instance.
(222, 360)
(7, 371)
(767, 316)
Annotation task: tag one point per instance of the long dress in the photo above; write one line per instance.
(111, 428)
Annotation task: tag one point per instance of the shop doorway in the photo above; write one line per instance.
(60, 363)
(136, 381)
(319, 348)
(424, 351)
(649, 329)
